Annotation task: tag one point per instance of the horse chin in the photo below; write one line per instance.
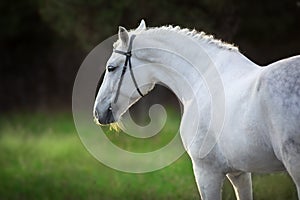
(104, 121)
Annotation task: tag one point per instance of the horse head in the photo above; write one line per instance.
(122, 84)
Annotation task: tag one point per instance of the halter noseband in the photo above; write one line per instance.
(127, 61)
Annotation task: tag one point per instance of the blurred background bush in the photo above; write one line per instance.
(43, 42)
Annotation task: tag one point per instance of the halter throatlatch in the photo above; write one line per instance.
(127, 62)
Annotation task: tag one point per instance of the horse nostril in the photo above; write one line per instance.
(96, 114)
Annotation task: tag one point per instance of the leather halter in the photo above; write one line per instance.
(127, 62)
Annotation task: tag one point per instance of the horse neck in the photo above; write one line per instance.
(185, 65)
(199, 74)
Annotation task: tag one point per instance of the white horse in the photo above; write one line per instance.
(260, 113)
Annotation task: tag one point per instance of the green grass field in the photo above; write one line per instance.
(42, 157)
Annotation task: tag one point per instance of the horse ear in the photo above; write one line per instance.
(142, 26)
(123, 35)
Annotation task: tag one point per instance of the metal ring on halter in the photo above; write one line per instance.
(127, 61)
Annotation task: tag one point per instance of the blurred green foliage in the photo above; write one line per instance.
(90, 21)
(42, 157)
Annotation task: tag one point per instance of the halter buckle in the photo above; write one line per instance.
(128, 54)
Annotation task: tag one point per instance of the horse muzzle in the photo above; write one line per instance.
(104, 117)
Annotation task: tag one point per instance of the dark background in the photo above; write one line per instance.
(43, 42)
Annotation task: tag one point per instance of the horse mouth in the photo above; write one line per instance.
(106, 119)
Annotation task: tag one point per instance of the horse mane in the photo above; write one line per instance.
(194, 34)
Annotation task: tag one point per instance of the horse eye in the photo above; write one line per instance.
(111, 68)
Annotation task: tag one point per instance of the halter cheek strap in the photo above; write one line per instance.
(127, 62)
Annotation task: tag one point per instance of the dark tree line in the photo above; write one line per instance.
(43, 42)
